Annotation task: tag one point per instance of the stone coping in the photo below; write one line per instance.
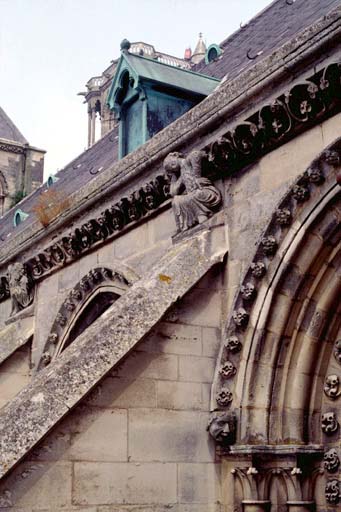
(15, 336)
(229, 95)
(284, 449)
(54, 391)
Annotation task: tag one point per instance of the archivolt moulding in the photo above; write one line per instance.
(101, 287)
(271, 284)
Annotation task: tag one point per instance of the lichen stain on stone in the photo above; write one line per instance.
(164, 278)
(38, 399)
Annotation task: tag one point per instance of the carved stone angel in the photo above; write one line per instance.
(20, 287)
(195, 198)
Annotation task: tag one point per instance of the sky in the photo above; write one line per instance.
(50, 48)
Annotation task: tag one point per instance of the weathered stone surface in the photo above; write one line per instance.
(199, 483)
(179, 395)
(14, 336)
(110, 483)
(62, 385)
(174, 436)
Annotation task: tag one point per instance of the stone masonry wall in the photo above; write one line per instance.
(138, 442)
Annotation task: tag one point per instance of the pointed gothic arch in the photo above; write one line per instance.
(282, 341)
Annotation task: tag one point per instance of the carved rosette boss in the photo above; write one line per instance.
(20, 287)
(195, 198)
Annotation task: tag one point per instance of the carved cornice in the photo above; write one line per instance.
(292, 112)
(322, 168)
(12, 148)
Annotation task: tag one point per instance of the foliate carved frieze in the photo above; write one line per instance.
(96, 231)
(224, 397)
(10, 148)
(315, 176)
(95, 278)
(274, 123)
(227, 370)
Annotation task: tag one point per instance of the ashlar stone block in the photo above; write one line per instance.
(124, 483)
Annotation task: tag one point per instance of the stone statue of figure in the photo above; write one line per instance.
(20, 287)
(195, 198)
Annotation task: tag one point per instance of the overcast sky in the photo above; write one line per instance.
(50, 48)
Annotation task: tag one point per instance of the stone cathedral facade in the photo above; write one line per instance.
(170, 301)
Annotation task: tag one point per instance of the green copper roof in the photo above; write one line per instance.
(144, 69)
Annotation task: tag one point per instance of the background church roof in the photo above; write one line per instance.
(270, 29)
(8, 130)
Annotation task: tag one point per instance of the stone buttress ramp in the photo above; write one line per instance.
(54, 391)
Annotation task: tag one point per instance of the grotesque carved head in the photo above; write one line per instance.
(171, 163)
(331, 460)
(233, 344)
(248, 291)
(331, 386)
(329, 423)
(240, 317)
(222, 427)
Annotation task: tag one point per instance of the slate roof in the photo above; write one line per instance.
(8, 130)
(72, 177)
(152, 70)
(268, 30)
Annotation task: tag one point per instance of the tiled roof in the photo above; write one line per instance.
(73, 177)
(270, 29)
(8, 130)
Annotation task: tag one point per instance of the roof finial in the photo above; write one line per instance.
(125, 45)
(200, 50)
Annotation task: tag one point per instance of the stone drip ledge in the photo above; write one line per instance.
(57, 389)
(282, 64)
(14, 336)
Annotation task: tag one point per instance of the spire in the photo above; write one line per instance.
(200, 50)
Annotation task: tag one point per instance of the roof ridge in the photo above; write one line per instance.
(8, 130)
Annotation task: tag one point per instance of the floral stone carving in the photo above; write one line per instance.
(331, 460)
(227, 370)
(233, 344)
(269, 245)
(337, 351)
(222, 427)
(240, 317)
(329, 423)
(20, 287)
(224, 397)
(332, 386)
(283, 216)
(195, 198)
(333, 491)
(258, 269)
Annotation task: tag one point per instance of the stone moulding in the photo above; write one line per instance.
(302, 106)
(97, 279)
(325, 167)
(58, 388)
(285, 63)
(12, 148)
